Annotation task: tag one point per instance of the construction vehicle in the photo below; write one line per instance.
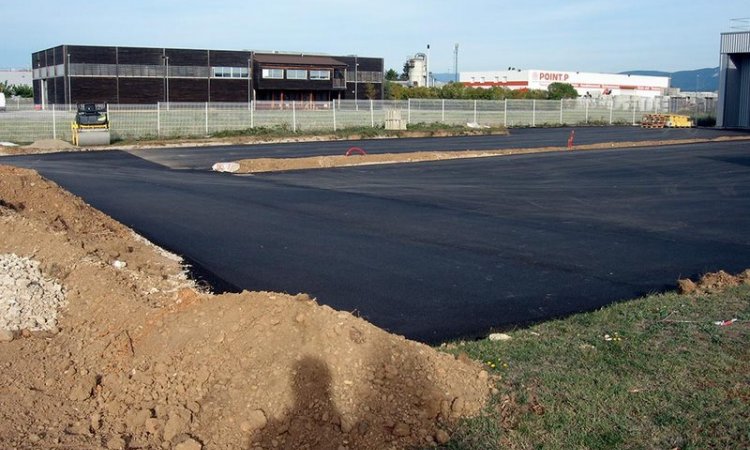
(91, 126)
(666, 121)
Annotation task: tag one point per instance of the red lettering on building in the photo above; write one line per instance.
(551, 76)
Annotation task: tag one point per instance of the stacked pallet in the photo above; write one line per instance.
(654, 121)
(666, 120)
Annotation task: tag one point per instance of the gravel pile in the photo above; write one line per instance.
(28, 300)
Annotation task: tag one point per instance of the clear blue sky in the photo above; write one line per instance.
(584, 35)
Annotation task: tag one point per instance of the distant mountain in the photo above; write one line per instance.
(444, 77)
(687, 80)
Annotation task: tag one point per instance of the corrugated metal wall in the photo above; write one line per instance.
(735, 42)
(734, 85)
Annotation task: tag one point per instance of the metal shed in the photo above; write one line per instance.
(734, 80)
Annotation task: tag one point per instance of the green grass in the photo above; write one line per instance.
(669, 378)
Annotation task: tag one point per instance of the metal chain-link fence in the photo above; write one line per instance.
(24, 122)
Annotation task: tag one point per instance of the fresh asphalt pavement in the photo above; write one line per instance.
(205, 157)
(444, 249)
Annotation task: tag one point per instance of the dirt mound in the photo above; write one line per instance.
(50, 144)
(40, 146)
(713, 282)
(142, 359)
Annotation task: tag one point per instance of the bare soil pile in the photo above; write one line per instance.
(40, 146)
(141, 359)
(713, 282)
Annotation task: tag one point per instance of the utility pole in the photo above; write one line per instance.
(455, 62)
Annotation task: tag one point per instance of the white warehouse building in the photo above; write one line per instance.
(586, 83)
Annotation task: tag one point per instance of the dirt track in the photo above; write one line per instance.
(140, 358)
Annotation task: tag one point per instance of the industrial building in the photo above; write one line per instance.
(586, 83)
(16, 77)
(417, 70)
(138, 75)
(734, 81)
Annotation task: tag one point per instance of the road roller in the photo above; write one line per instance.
(91, 126)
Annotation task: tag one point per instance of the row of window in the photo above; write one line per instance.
(139, 70)
(364, 76)
(49, 72)
(229, 72)
(296, 74)
(132, 70)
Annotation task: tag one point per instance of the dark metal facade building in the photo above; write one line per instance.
(734, 81)
(140, 75)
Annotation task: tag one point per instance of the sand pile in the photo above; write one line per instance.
(50, 145)
(141, 359)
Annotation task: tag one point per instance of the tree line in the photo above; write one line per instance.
(19, 90)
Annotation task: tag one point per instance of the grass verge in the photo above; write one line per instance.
(285, 132)
(656, 372)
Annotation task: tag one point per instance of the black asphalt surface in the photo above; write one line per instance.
(447, 249)
(205, 157)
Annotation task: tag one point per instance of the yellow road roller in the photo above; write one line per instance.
(91, 126)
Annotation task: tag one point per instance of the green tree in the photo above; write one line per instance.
(395, 91)
(22, 90)
(557, 91)
(391, 75)
(405, 72)
(370, 91)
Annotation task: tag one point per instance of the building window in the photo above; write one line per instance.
(320, 74)
(273, 73)
(229, 72)
(296, 74)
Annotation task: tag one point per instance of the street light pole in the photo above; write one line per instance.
(165, 58)
(70, 94)
(167, 82)
(356, 79)
(427, 67)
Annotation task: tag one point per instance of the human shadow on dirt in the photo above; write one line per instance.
(397, 404)
(314, 422)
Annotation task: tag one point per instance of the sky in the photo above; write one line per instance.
(574, 35)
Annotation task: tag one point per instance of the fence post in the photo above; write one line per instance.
(533, 113)
(158, 119)
(505, 114)
(475, 111)
(587, 110)
(561, 111)
(54, 123)
(333, 108)
(294, 116)
(611, 109)
(252, 114)
(442, 116)
(206, 118)
(372, 115)
(631, 100)
(408, 111)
